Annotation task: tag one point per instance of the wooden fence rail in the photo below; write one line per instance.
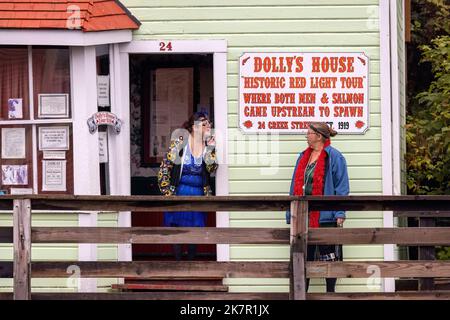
(22, 235)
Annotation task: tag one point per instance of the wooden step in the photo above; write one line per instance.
(169, 287)
(172, 284)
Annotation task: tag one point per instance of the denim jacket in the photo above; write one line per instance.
(336, 183)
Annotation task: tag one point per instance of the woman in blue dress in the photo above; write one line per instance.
(186, 171)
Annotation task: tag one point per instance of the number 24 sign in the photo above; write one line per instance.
(165, 46)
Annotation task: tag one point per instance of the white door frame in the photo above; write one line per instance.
(86, 175)
(390, 105)
(120, 147)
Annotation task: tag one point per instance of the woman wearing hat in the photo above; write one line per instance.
(186, 170)
(321, 170)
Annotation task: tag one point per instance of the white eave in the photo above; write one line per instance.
(50, 37)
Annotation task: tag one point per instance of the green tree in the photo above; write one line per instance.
(428, 111)
(428, 127)
(429, 20)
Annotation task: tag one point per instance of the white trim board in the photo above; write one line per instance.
(33, 121)
(62, 37)
(386, 120)
(119, 145)
(121, 92)
(395, 98)
(177, 46)
(86, 176)
(220, 119)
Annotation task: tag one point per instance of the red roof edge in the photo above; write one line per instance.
(128, 12)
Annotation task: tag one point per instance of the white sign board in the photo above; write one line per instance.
(103, 146)
(103, 91)
(54, 154)
(21, 191)
(284, 92)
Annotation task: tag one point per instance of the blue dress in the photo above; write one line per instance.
(191, 184)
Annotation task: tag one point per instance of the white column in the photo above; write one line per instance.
(386, 120)
(85, 145)
(395, 96)
(221, 127)
(119, 144)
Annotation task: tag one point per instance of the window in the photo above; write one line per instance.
(35, 122)
(14, 83)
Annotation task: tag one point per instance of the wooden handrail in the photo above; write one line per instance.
(234, 269)
(229, 203)
(160, 235)
(164, 269)
(388, 269)
(401, 236)
(22, 234)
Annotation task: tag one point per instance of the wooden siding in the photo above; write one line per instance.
(57, 252)
(258, 166)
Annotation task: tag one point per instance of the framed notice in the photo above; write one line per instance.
(54, 175)
(54, 154)
(283, 93)
(103, 91)
(53, 105)
(54, 138)
(103, 146)
(21, 191)
(13, 143)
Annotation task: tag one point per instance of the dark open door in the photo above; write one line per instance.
(164, 91)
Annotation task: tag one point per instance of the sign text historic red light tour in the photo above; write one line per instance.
(284, 92)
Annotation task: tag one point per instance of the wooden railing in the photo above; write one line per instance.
(297, 235)
(425, 219)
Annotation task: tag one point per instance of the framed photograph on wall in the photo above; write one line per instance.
(53, 105)
(14, 175)
(15, 108)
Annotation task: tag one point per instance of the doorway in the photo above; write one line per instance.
(165, 89)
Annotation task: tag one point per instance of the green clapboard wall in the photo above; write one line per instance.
(282, 26)
(261, 26)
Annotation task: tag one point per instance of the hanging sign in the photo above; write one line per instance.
(103, 146)
(284, 92)
(103, 91)
(104, 118)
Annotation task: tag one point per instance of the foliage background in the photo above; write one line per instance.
(428, 109)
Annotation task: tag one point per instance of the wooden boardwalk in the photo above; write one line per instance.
(22, 235)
